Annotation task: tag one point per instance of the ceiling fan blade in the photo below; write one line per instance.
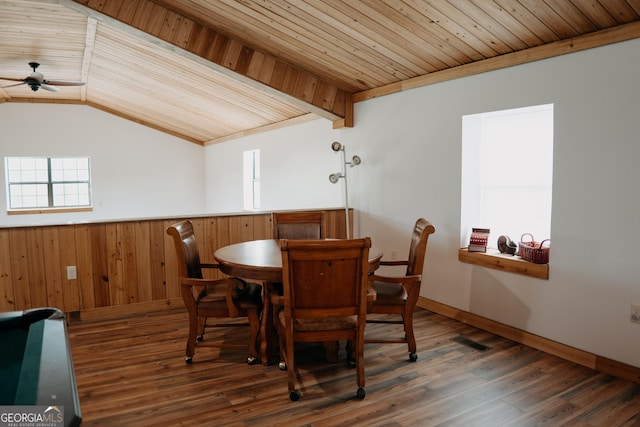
(63, 83)
(12, 79)
(17, 84)
(50, 88)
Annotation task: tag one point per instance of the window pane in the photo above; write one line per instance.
(13, 163)
(68, 178)
(57, 170)
(508, 173)
(13, 175)
(70, 194)
(83, 174)
(27, 169)
(28, 196)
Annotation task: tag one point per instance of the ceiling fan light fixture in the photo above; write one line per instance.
(35, 80)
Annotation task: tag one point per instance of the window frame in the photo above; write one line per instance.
(251, 180)
(475, 181)
(50, 184)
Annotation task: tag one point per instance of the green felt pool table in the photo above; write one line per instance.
(36, 368)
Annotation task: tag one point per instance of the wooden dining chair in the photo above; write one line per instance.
(227, 297)
(306, 225)
(399, 295)
(298, 225)
(325, 299)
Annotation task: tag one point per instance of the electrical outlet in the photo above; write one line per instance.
(634, 317)
(72, 273)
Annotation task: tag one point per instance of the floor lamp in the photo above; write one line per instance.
(335, 177)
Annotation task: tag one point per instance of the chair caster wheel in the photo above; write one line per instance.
(251, 360)
(188, 359)
(360, 393)
(351, 363)
(200, 338)
(413, 357)
(282, 366)
(294, 395)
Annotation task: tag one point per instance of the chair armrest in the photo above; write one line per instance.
(230, 283)
(187, 281)
(397, 262)
(401, 280)
(209, 265)
(411, 284)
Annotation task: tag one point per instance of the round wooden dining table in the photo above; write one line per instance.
(262, 260)
(255, 259)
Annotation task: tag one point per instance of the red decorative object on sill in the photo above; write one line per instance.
(478, 240)
(533, 251)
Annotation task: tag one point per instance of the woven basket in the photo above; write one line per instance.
(533, 251)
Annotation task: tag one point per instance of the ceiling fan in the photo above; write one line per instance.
(36, 80)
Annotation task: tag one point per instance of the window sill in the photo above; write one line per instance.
(497, 261)
(49, 210)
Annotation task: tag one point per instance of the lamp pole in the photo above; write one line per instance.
(335, 177)
(346, 193)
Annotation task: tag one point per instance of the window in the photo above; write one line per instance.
(507, 170)
(251, 179)
(47, 182)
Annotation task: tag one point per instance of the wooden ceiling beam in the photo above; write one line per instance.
(232, 57)
(89, 44)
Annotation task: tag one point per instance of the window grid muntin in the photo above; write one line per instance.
(48, 182)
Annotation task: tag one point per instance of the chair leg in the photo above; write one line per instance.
(291, 368)
(202, 324)
(282, 365)
(411, 339)
(254, 328)
(275, 337)
(351, 354)
(191, 338)
(264, 326)
(359, 355)
(287, 361)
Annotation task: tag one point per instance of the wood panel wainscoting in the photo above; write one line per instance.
(121, 266)
(129, 267)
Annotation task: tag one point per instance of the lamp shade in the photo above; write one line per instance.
(335, 177)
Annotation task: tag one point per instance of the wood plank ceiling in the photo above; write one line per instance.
(211, 70)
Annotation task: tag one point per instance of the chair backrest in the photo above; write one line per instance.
(186, 249)
(325, 278)
(298, 225)
(419, 238)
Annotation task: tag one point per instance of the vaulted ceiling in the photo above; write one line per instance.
(212, 70)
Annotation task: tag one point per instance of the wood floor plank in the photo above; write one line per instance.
(131, 372)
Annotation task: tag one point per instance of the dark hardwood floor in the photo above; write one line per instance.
(131, 372)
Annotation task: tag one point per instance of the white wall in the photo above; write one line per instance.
(295, 161)
(594, 270)
(135, 171)
(411, 146)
